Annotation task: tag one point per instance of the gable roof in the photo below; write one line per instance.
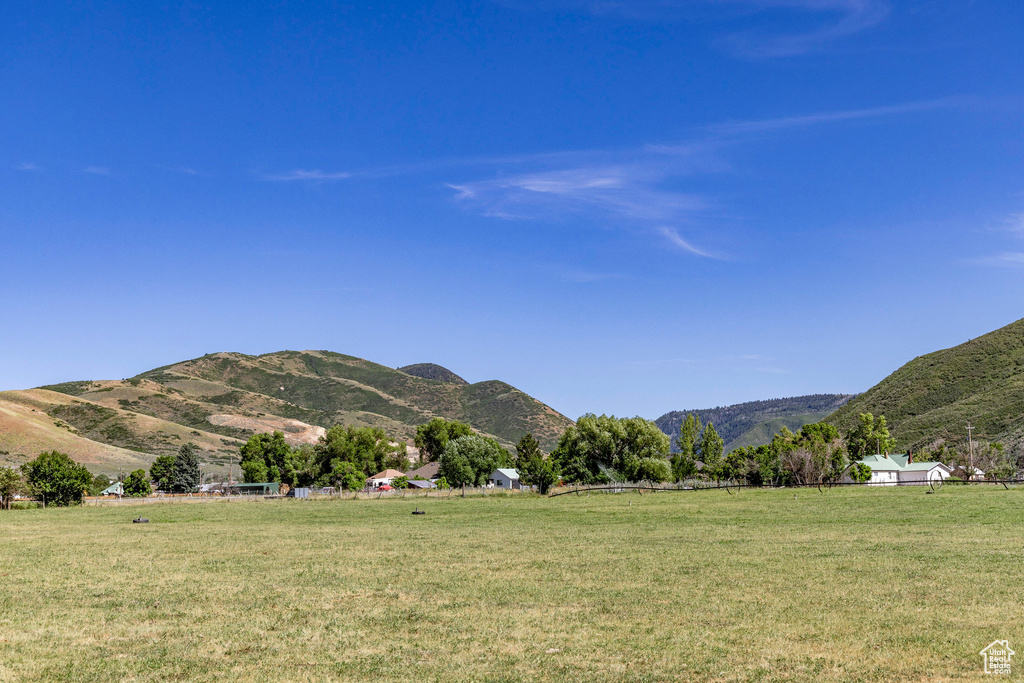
(387, 474)
(115, 489)
(898, 463)
(880, 463)
(924, 466)
(428, 471)
(507, 473)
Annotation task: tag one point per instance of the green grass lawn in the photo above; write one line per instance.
(874, 585)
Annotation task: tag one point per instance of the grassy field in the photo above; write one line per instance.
(873, 585)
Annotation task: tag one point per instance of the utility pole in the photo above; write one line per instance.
(970, 449)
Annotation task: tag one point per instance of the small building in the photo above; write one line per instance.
(960, 472)
(115, 489)
(505, 478)
(383, 478)
(421, 484)
(430, 472)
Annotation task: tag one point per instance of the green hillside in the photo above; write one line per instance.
(221, 399)
(753, 423)
(933, 396)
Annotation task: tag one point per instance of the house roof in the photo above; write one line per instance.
(507, 473)
(387, 474)
(428, 471)
(881, 463)
(421, 484)
(898, 463)
(924, 466)
(114, 489)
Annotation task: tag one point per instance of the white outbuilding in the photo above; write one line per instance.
(505, 479)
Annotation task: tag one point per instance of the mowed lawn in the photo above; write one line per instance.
(874, 585)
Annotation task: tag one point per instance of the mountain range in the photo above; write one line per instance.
(219, 400)
(755, 422)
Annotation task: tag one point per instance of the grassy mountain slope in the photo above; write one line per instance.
(933, 396)
(325, 388)
(103, 438)
(219, 400)
(753, 423)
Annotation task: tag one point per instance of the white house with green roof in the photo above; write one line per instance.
(900, 470)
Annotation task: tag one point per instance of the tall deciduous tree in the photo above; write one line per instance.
(869, 437)
(598, 449)
(433, 437)
(471, 459)
(534, 468)
(264, 457)
(162, 472)
(367, 449)
(57, 479)
(137, 485)
(684, 463)
(709, 450)
(186, 469)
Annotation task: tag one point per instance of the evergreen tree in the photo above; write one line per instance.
(186, 469)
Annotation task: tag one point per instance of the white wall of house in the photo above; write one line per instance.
(883, 478)
(921, 477)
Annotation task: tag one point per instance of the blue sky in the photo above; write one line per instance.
(621, 207)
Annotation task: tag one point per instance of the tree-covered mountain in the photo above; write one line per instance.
(433, 371)
(753, 423)
(221, 399)
(932, 397)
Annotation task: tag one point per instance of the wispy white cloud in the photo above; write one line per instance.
(96, 170)
(187, 170)
(630, 192)
(840, 19)
(805, 120)
(27, 167)
(672, 235)
(836, 19)
(1010, 259)
(1014, 224)
(300, 174)
(642, 188)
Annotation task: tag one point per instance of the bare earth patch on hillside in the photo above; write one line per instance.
(295, 433)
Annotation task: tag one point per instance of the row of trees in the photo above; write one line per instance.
(343, 457)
